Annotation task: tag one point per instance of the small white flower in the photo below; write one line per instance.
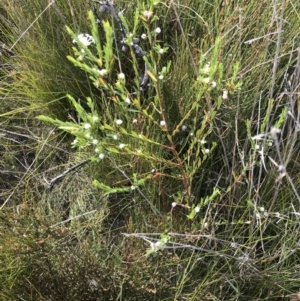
(132, 187)
(191, 134)
(161, 77)
(197, 209)
(184, 128)
(85, 39)
(274, 131)
(206, 80)
(157, 30)
(262, 209)
(206, 150)
(259, 137)
(147, 14)
(102, 72)
(257, 146)
(206, 69)
(80, 58)
(101, 156)
(270, 143)
(95, 118)
(87, 126)
(95, 141)
(213, 84)
(162, 123)
(161, 51)
(202, 141)
(121, 145)
(155, 245)
(158, 243)
(119, 121)
(153, 170)
(121, 76)
(127, 100)
(115, 137)
(134, 121)
(75, 141)
(225, 94)
(174, 204)
(144, 36)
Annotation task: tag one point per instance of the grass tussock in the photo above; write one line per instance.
(163, 168)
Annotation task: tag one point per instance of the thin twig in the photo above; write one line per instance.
(59, 177)
(72, 218)
(20, 37)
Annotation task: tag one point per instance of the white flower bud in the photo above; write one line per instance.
(157, 30)
(102, 72)
(85, 39)
(225, 94)
(121, 76)
(206, 80)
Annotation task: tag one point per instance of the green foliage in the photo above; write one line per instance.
(133, 142)
(204, 202)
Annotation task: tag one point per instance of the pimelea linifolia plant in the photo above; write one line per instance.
(136, 127)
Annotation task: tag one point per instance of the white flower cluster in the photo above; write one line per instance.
(85, 39)
(157, 30)
(121, 76)
(102, 72)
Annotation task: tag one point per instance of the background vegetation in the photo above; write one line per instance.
(186, 191)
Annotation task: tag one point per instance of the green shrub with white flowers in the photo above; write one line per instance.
(137, 127)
